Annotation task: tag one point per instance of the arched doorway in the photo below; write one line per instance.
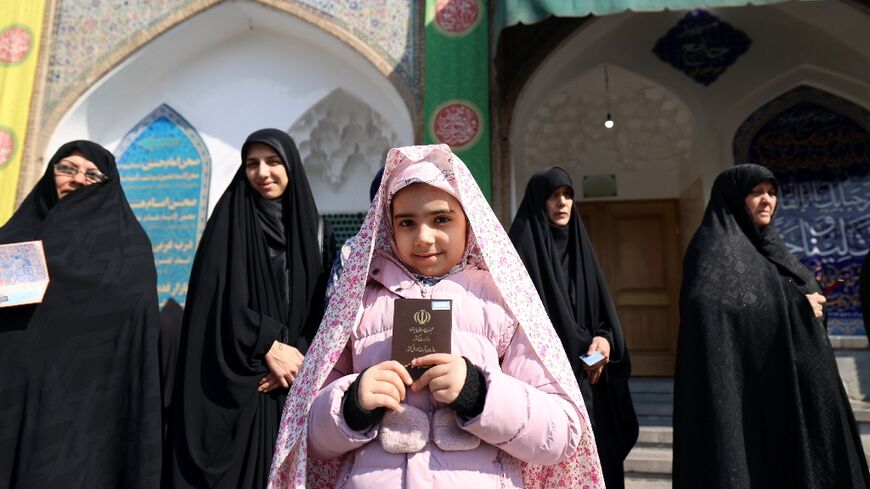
(231, 69)
(634, 224)
(818, 145)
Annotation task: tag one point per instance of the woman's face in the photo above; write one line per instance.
(266, 171)
(761, 203)
(559, 205)
(429, 226)
(75, 171)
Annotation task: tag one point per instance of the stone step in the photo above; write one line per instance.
(653, 408)
(665, 397)
(647, 481)
(662, 385)
(649, 460)
(655, 420)
(649, 464)
(657, 436)
(862, 411)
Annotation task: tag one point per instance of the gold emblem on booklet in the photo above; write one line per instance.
(420, 327)
(422, 317)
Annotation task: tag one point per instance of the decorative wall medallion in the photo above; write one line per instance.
(457, 17)
(457, 123)
(702, 46)
(7, 145)
(15, 44)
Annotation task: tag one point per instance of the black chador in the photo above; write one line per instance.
(258, 277)
(758, 400)
(564, 269)
(79, 373)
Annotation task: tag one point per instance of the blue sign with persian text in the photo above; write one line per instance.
(824, 219)
(818, 145)
(164, 167)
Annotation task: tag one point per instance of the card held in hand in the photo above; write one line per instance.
(23, 273)
(421, 327)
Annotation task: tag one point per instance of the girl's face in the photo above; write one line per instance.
(429, 226)
(266, 171)
(761, 203)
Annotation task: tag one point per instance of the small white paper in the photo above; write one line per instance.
(440, 305)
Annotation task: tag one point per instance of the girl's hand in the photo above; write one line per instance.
(445, 378)
(601, 345)
(817, 301)
(383, 385)
(283, 362)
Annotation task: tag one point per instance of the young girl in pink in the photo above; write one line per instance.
(501, 410)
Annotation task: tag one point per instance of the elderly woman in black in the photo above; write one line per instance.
(758, 400)
(552, 242)
(79, 372)
(255, 301)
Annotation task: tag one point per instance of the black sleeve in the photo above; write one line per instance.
(472, 397)
(357, 418)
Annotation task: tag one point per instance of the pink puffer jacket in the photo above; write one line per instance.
(523, 417)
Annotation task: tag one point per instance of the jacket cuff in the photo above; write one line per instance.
(357, 418)
(470, 401)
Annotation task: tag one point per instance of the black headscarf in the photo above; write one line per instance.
(565, 270)
(758, 400)
(258, 276)
(79, 373)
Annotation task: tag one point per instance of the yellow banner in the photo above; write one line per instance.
(20, 33)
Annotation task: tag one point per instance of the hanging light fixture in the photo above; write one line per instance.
(608, 122)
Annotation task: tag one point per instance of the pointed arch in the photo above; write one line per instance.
(818, 145)
(402, 70)
(651, 141)
(165, 171)
(342, 131)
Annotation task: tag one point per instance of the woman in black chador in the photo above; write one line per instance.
(758, 401)
(552, 242)
(79, 372)
(254, 303)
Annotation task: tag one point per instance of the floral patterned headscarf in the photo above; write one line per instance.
(487, 239)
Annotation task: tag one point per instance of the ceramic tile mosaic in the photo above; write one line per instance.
(818, 146)
(87, 32)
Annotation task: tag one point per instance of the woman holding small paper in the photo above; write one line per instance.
(79, 373)
(552, 242)
(496, 406)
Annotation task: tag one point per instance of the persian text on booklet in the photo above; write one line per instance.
(15, 44)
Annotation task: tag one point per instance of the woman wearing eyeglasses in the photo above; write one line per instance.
(79, 379)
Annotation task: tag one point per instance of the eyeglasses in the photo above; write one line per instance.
(93, 176)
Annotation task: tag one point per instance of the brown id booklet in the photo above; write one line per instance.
(421, 327)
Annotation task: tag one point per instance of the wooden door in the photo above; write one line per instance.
(638, 247)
